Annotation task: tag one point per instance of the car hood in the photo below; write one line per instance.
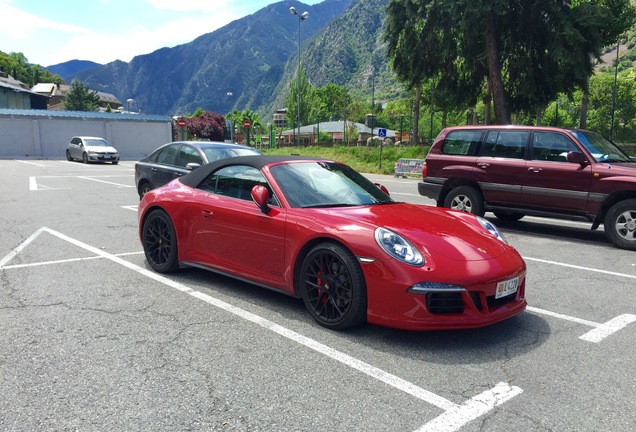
(101, 149)
(456, 235)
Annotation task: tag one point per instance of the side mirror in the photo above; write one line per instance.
(576, 157)
(192, 166)
(382, 188)
(260, 195)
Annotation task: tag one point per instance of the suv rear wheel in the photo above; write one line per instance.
(508, 216)
(620, 224)
(466, 199)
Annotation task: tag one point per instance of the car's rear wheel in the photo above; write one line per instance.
(620, 224)
(68, 156)
(508, 216)
(84, 158)
(160, 242)
(144, 188)
(333, 287)
(466, 199)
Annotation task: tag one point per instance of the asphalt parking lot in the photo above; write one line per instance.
(93, 340)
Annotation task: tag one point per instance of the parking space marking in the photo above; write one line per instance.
(33, 182)
(29, 163)
(578, 267)
(107, 182)
(41, 263)
(601, 330)
(454, 416)
(131, 207)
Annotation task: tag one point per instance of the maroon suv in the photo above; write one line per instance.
(514, 171)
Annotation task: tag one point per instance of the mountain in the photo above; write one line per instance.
(242, 65)
(67, 69)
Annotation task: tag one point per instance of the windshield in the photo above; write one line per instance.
(602, 149)
(325, 184)
(96, 143)
(215, 153)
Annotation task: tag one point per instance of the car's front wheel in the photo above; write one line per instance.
(620, 224)
(84, 158)
(332, 287)
(466, 199)
(159, 239)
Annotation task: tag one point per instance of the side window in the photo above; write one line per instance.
(236, 181)
(166, 156)
(551, 146)
(75, 141)
(509, 144)
(462, 143)
(188, 154)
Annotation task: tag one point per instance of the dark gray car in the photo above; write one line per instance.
(175, 159)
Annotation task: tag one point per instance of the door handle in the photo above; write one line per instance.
(207, 214)
(535, 170)
(483, 165)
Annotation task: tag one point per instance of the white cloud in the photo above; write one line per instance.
(190, 5)
(20, 24)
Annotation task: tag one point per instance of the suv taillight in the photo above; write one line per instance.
(424, 170)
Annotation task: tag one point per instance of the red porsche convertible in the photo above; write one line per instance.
(318, 230)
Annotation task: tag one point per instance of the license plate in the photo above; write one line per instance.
(507, 287)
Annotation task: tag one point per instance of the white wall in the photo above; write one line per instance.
(41, 137)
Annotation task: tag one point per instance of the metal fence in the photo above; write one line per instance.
(406, 167)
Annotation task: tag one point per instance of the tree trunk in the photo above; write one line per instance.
(502, 114)
(585, 102)
(416, 113)
(539, 116)
(487, 102)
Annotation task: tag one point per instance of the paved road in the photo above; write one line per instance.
(92, 340)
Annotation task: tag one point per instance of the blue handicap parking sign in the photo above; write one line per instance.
(382, 132)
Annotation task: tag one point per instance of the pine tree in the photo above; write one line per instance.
(81, 98)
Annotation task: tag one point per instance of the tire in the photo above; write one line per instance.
(466, 199)
(84, 158)
(620, 224)
(115, 162)
(333, 288)
(68, 156)
(160, 242)
(144, 188)
(508, 216)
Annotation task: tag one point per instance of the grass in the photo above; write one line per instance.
(362, 159)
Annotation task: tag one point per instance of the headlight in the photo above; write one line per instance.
(398, 247)
(492, 229)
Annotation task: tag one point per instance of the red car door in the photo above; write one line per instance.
(234, 235)
(551, 182)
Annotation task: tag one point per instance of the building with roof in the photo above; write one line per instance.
(57, 92)
(15, 94)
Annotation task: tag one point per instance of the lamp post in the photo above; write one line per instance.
(129, 101)
(302, 17)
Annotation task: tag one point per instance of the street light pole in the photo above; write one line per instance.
(302, 17)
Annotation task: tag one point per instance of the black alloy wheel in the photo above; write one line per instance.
(333, 287)
(144, 188)
(160, 242)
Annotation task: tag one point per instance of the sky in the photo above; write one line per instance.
(49, 32)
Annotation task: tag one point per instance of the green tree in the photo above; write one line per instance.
(18, 66)
(306, 99)
(81, 98)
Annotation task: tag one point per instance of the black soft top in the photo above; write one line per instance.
(195, 177)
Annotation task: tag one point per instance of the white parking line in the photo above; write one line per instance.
(590, 269)
(601, 330)
(107, 182)
(29, 163)
(454, 417)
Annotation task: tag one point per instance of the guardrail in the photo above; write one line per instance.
(406, 167)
